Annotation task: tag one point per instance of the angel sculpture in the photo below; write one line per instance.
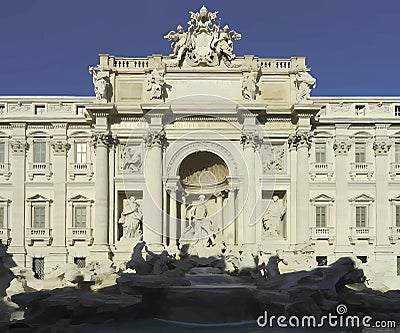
(181, 42)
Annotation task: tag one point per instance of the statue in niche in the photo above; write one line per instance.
(156, 83)
(132, 159)
(305, 83)
(131, 219)
(199, 225)
(273, 219)
(101, 83)
(249, 85)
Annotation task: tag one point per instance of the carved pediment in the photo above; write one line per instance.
(38, 197)
(362, 198)
(204, 43)
(322, 198)
(79, 197)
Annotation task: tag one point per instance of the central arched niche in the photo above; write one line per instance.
(203, 172)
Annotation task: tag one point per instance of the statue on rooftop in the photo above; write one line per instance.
(156, 83)
(204, 43)
(101, 83)
(304, 83)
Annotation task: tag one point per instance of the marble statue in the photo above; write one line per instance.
(272, 267)
(199, 225)
(305, 83)
(101, 83)
(156, 83)
(132, 159)
(131, 219)
(249, 85)
(204, 43)
(273, 218)
(181, 42)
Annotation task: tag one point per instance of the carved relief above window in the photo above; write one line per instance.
(274, 158)
(131, 158)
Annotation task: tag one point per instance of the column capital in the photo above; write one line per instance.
(251, 140)
(300, 140)
(19, 146)
(103, 140)
(60, 147)
(341, 147)
(381, 147)
(155, 139)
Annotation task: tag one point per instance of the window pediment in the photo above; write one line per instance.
(395, 199)
(362, 198)
(79, 198)
(322, 198)
(38, 198)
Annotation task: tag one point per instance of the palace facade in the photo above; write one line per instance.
(199, 143)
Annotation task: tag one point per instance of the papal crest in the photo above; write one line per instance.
(204, 43)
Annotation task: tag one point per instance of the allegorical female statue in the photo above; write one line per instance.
(131, 219)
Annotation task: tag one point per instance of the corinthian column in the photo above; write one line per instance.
(18, 149)
(101, 143)
(153, 194)
(301, 141)
(250, 143)
(381, 148)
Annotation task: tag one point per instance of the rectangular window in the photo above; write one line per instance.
(320, 152)
(2, 217)
(39, 109)
(397, 152)
(80, 217)
(360, 110)
(360, 150)
(398, 266)
(39, 152)
(322, 260)
(2, 108)
(397, 215)
(80, 152)
(361, 216)
(38, 268)
(2, 152)
(320, 216)
(80, 262)
(80, 110)
(363, 259)
(39, 217)
(397, 110)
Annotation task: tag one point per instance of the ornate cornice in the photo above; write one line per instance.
(381, 147)
(341, 147)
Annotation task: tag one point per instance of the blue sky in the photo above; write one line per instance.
(352, 46)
